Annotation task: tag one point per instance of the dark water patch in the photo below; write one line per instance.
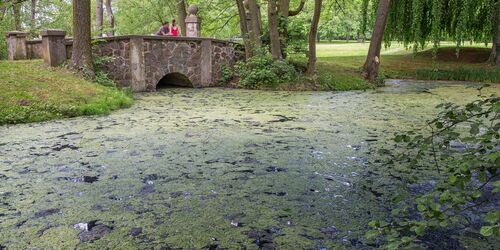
(40, 232)
(282, 118)
(263, 239)
(147, 189)
(58, 148)
(94, 233)
(136, 231)
(179, 194)
(80, 179)
(97, 207)
(47, 212)
(212, 247)
(273, 169)
(280, 194)
(63, 136)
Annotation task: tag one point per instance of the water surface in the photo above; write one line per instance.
(200, 168)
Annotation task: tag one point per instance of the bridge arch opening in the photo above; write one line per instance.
(173, 80)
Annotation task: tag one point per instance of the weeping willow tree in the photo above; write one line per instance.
(416, 23)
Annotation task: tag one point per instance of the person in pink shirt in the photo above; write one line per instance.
(174, 30)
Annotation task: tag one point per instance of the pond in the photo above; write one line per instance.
(208, 168)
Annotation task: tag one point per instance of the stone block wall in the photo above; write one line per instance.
(34, 49)
(117, 64)
(224, 54)
(162, 57)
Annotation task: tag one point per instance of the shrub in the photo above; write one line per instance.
(261, 71)
(100, 77)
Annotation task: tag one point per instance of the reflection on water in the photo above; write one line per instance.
(200, 168)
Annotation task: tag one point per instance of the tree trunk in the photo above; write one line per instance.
(244, 28)
(495, 51)
(370, 69)
(111, 18)
(274, 35)
(181, 9)
(82, 52)
(99, 12)
(16, 7)
(255, 31)
(311, 64)
(33, 18)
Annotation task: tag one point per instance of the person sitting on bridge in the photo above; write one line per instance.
(164, 30)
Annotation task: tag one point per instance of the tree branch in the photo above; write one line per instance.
(298, 10)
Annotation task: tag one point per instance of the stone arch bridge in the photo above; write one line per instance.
(141, 63)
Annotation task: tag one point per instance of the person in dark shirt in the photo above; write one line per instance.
(164, 30)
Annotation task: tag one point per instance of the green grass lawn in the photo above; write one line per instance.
(33, 92)
(339, 64)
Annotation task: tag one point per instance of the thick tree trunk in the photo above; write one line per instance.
(495, 52)
(182, 14)
(244, 28)
(16, 8)
(99, 12)
(274, 35)
(33, 18)
(82, 52)
(111, 18)
(370, 69)
(311, 64)
(255, 31)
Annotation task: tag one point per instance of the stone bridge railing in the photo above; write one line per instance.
(138, 62)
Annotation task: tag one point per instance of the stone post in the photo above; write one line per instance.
(16, 42)
(193, 23)
(206, 63)
(137, 65)
(54, 47)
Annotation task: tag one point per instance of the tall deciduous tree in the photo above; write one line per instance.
(311, 65)
(255, 31)
(274, 36)
(99, 12)
(111, 18)
(82, 52)
(16, 9)
(33, 16)
(181, 9)
(244, 28)
(370, 69)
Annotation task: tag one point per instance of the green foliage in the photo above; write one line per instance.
(261, 72)
(227, 74)
(461, 149)
(487, 75)
(100, 77)
(434, 20)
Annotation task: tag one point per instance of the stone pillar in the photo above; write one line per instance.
(206, 63)
(193, 23)
(137, 65)
(16, 42)
(54, 47)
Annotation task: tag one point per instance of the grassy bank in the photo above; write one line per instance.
(339, 65)
(32, 92)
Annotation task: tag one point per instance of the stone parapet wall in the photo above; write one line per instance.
(34, 49)
(140, 62)
(117, 60)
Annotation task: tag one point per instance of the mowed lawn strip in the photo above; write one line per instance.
(33, 92)
(339, 65)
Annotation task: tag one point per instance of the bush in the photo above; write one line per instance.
(100, 77)
(261, 72)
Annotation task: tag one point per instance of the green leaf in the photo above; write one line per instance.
(487, 231)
